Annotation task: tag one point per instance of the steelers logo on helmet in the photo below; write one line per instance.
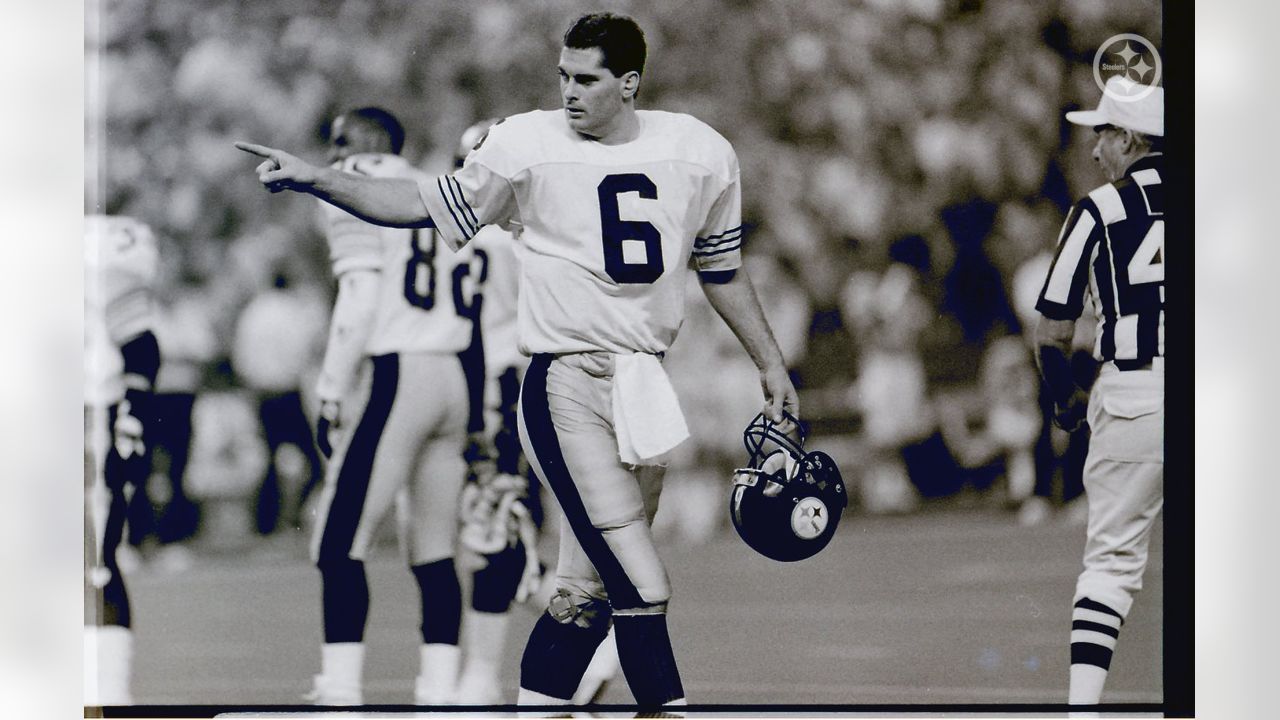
(809, 518)
(786, 503)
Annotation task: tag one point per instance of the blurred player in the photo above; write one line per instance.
(122, 358)
(502, 510)
(1111, 253)
(613, 206)
(394, 413)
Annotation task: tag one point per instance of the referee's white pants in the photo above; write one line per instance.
(1124, 483)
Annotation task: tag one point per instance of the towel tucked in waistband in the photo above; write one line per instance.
(646, 412)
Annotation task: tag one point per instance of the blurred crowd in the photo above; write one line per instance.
(905, 171)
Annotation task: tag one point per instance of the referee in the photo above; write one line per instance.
(1110, 258)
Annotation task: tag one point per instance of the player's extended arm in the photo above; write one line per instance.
(1053, 352)
(349, 330)
(392, 202)
(735, 300)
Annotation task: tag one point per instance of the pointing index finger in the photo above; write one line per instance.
(260, 150)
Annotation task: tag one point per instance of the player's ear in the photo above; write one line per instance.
(630, 84)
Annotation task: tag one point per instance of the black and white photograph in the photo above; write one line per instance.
(619, 358)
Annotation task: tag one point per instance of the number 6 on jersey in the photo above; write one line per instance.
(615, 231)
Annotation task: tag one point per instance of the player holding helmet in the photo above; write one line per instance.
(1111, 258)
(613, 206)
(501, 506)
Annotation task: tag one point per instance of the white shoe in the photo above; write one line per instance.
(427, 692)
(325, 691)
(1035, 510)
(476, 691)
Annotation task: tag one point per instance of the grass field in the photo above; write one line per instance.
(940, 607)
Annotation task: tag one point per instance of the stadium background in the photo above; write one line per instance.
(902, 162)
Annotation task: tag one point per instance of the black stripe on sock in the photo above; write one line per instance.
(1083, 653)
(1095, 627)
(1088, 604)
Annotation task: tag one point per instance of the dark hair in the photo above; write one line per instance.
(619, 38)
(385, 120)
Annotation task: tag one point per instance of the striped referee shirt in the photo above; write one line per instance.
(1111, 254)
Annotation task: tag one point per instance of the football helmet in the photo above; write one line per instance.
(471, 139)
(787, 503)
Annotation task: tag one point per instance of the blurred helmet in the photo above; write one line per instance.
(471, 139)
(787, 503)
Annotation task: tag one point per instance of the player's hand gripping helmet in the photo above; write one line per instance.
(787, 503)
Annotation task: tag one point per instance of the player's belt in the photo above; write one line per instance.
(1155, 363)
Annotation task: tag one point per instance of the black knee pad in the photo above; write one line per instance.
(494, 586)
(441, 601)
(345, 599)
(562, 644)
(646, 657)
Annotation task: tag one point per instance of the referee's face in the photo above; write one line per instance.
(1112, 150)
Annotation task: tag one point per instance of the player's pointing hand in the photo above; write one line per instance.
(279, 170)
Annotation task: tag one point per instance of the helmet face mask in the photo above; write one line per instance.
(786, 503)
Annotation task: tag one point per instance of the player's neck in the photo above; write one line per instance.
(625, 127)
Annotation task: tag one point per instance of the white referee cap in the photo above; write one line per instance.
(1126, 104)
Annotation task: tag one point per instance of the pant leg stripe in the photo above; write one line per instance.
(357, 465)
(546, 446)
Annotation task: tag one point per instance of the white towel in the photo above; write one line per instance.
(646, 412)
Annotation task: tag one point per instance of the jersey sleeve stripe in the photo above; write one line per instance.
(719, 251)
(459, 203)
(468, 213)
(707, 245)
(444, 197)
(1066, 265)
(719, 238)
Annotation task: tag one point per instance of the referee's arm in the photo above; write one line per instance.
(1053, 343)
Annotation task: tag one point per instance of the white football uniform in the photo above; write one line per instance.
(417, 309)
(120, 260)
(498, 253)
(608, 234)
(411, 405)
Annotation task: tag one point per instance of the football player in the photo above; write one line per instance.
(394, 414)
(1110, 258)
(122, 358)
(501, 507)
(614, 206)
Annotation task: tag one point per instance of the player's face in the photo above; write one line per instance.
(592, 96)
(1111, 151)
(352, 138)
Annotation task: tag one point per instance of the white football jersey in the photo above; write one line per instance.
(607, 231)
(498, 254)
(120, 262)
(421, 305)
